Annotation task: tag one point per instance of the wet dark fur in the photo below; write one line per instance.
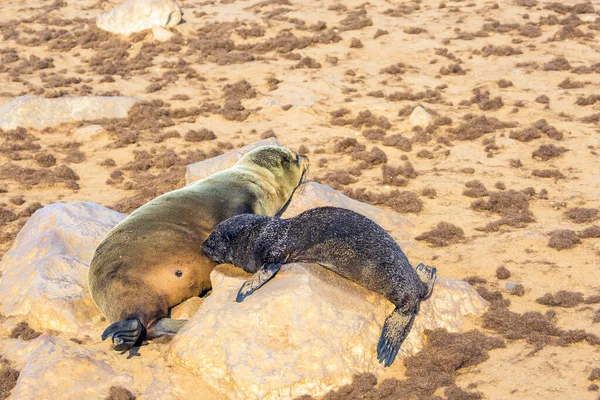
(338, 239)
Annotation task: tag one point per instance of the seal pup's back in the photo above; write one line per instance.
(338, 239)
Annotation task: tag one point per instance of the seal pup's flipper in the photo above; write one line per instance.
(263, 275)
(125, 333)
(166, 326)
(395, 329)
(427, 276)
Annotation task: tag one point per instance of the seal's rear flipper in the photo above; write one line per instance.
(263, 275)
(125, 333)
(427, 276)
(395, 329)
(166, 326)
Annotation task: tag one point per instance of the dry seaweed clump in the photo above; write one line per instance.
(511, 205)
(477, 126)
(562, 298)
(563, 239)
(400, 201)
(199, 136)
(336, 179)
(8, 378)
(538, 329)
(30, 177)
(444, 234)
(119, 393)
(500, 51)
(581, 215)
(233, 94)
(548, 173)
(364, 118)
(398, 176)
(24, 332)
(548, 151)
(453, 69)
(591, 232)
(502, 273)
(475, 189)
(370, 158)
(567, 83)
(559, 63)
(436, 366)
(398, 141)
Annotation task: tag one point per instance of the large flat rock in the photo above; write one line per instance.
(137, 15)
(38, 112)
(305, 332)
(44, 274)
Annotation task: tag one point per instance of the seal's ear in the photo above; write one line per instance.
(285, 160)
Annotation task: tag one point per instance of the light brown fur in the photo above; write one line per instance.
(132, 274)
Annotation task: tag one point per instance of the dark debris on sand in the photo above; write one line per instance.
(444, 234)
(436, 366)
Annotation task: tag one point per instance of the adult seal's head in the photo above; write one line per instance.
(153, 260)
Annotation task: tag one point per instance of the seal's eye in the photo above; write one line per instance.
(178, 273)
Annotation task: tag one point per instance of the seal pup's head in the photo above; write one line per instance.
(283, 168)
(231, 242)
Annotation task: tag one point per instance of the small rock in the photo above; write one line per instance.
(510, 286)
(32, 111)
(307, 331)
(161, 34)
(137, 15)
(420, 117)
(186, 309)
(89, 130)
(200, 170)
(44, 274)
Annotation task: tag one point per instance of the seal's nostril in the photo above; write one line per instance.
(178, 273)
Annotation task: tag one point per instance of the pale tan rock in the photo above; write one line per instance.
(200, 170)
(136, 15)
(60, 368)
(31, 111)
(44, 274)
(89, 130)
(186, 309)
(161, 34)
(305, 332)
(420, 117)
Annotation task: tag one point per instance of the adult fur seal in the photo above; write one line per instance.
(152, 260)
(338, 239)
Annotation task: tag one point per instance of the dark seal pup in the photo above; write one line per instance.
(152, 260)
(338, 239)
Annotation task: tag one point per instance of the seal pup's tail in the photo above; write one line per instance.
(395, 329)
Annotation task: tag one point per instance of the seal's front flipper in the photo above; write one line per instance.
(263, 275)
(125, 334)
(166, 326)
(395, 329)
(427, 276)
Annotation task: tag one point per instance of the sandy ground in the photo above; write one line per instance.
(304, 61)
